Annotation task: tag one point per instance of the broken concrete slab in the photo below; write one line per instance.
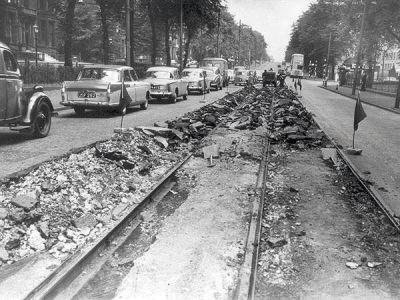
(24, 201)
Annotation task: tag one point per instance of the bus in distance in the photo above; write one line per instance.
(297, 63)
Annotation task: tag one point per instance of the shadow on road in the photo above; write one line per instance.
(96, 114)
(12, 138)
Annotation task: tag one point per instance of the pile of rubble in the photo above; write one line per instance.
(69, 201)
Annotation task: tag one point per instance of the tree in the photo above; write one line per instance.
(3, 4)
(68, 29)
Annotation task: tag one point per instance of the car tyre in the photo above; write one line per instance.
(41, 121)
(80, 111)
(145, 105)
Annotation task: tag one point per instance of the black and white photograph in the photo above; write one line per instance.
(199, 149)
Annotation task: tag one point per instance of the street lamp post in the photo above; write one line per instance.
(36, 31)
(353, 91)
(181, 38)
(128, 33)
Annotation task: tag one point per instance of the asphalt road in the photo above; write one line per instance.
(18, 152)
(377, 136)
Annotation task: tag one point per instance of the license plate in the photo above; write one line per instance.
(86, 94)
(155, 87)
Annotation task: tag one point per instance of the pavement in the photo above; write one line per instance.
(377, 135)
(372, 98)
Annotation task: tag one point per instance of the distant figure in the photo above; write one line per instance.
(363, 81)
(281, 78)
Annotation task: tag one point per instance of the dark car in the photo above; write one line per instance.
(269, 78)
(25, 111)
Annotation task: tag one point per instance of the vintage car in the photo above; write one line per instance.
(269, 78)
(105, 87)
(25, 111)
(197, 80)
(166, 83)
(243, 77)
(215, 77)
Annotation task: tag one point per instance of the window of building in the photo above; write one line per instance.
(52, 37)
(9, 61)
(43, 4)
(43, 32)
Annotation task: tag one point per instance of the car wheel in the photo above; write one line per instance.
(145, 105)
(184, 97)
(41, 121)
(80, 111)
(172, 98)
(123, 107)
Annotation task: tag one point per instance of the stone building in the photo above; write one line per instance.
(25, 22)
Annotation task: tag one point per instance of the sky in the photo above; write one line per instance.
(272, 18)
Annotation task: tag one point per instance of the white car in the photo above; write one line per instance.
(197, 80)
(105, 86)
(166, 83)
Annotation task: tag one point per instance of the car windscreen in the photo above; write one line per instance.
(108, 75)
(210, 73)
(158, 74)
(239, 73)
(191, 74)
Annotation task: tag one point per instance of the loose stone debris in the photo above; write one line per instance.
(68, 202)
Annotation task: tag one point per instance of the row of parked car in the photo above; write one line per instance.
(113, 87)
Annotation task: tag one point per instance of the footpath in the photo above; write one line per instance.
(372, 98)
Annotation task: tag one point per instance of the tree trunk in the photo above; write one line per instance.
(166, 42)
(132, 34)
(397, 102)
(187, 45)
(153, 33)
(104, 25)
(69, 18)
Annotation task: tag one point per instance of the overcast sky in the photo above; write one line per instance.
(273, 18)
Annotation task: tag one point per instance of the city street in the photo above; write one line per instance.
(377, 136)
(237, 174)
(18, 152)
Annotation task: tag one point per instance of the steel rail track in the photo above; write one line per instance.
(57, 280)
(369, 188)
(67, 272)
(248, 273)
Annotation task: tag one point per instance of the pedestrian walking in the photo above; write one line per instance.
(363, 81)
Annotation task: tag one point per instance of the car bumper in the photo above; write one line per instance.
(214, 85)
(195, 89)
(161, 94)
(89, 104)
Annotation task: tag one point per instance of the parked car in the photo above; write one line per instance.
(243, 77)
(214, 74)
(105, 87)
(231, 75)
(197, 80)
(166, 83)
(26, 111)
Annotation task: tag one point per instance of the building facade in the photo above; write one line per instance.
(27, 24)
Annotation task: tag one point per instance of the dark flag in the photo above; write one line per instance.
(359, 113)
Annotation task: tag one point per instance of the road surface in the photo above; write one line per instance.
(378, 137)
(18, 152)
